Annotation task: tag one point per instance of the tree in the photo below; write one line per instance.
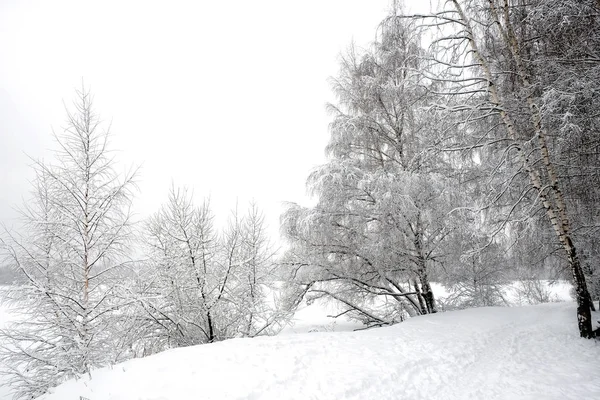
(258, 293)
(383, 220)
(183, 249)
(200, 286)
(492, 62)
(567, 71)
(72, 253)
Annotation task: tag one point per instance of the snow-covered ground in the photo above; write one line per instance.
(528, 352)
(488, 353)
(318, 317)
(5, 318)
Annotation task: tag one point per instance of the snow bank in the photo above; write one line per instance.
(529, 352)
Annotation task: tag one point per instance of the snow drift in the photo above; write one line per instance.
(529, 352)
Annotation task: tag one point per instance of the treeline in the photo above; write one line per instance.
(464, 150)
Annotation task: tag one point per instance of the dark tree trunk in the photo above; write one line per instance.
(584, 304)
(211, 332)
(422, 305)
(428, 295)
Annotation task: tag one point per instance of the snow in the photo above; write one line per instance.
(5, 318)
(531, 352)
(319, 317)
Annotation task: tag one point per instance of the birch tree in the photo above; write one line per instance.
(567, 69)
(491, 60)
(71, 252)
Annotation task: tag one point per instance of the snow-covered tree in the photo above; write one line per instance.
(201, 286)
(384, 216)
(506, 72)
(257, 294)
(182, 249)
(71, 252)
(566, 69)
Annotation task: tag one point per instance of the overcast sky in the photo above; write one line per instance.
(225, 97)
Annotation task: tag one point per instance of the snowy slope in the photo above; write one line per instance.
(489, 353)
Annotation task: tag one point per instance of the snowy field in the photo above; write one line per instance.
(530, 352)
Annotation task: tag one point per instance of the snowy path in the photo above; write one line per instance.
(488, 353)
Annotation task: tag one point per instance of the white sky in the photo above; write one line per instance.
(225, 97)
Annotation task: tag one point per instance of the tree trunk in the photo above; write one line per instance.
(425, 292)
(422, 305)
(428, 294)
(584, 305)
(211, 332)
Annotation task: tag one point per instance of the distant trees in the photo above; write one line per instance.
(8, 276)
(199, 285)
(71, 255)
